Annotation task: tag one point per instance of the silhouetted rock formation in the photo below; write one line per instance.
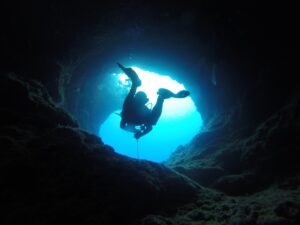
(54, 173)
(240, 160)
(237, 60)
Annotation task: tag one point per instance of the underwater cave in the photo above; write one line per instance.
(179, 123)
(225, 154)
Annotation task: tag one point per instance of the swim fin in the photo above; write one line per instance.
(131, 74)
(165, 93)
(182, 94)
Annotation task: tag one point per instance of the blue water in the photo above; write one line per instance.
(178, 124)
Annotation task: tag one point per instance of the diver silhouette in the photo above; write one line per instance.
(136, 116)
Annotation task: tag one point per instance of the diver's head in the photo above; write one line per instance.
(141, 98)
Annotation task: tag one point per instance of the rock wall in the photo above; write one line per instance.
(52, 172)
(244, 160)
(239, 63)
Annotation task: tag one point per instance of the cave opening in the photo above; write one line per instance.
(179, 123)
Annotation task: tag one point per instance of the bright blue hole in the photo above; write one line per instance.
(178, 124)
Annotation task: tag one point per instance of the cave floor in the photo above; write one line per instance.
(279, 204)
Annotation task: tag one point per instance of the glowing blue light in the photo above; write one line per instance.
(178, 124)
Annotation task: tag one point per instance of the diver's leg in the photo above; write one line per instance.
(131, 74)
(162, 95)
(136, 82)
(129, 98)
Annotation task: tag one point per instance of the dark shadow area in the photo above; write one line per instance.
(237, 60)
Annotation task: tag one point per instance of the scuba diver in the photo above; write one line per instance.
(136, 116)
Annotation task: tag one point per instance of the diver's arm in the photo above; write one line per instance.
(129, 98)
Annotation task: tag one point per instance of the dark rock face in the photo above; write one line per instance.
(206, 175)
(244, 161)
(72, 48)
(290, 210)
(53, 173)
(20, 99)
(239, 64)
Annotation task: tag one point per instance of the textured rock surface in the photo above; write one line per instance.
(272, 206)
(54, 173)
(243, 161)
(237, 60)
